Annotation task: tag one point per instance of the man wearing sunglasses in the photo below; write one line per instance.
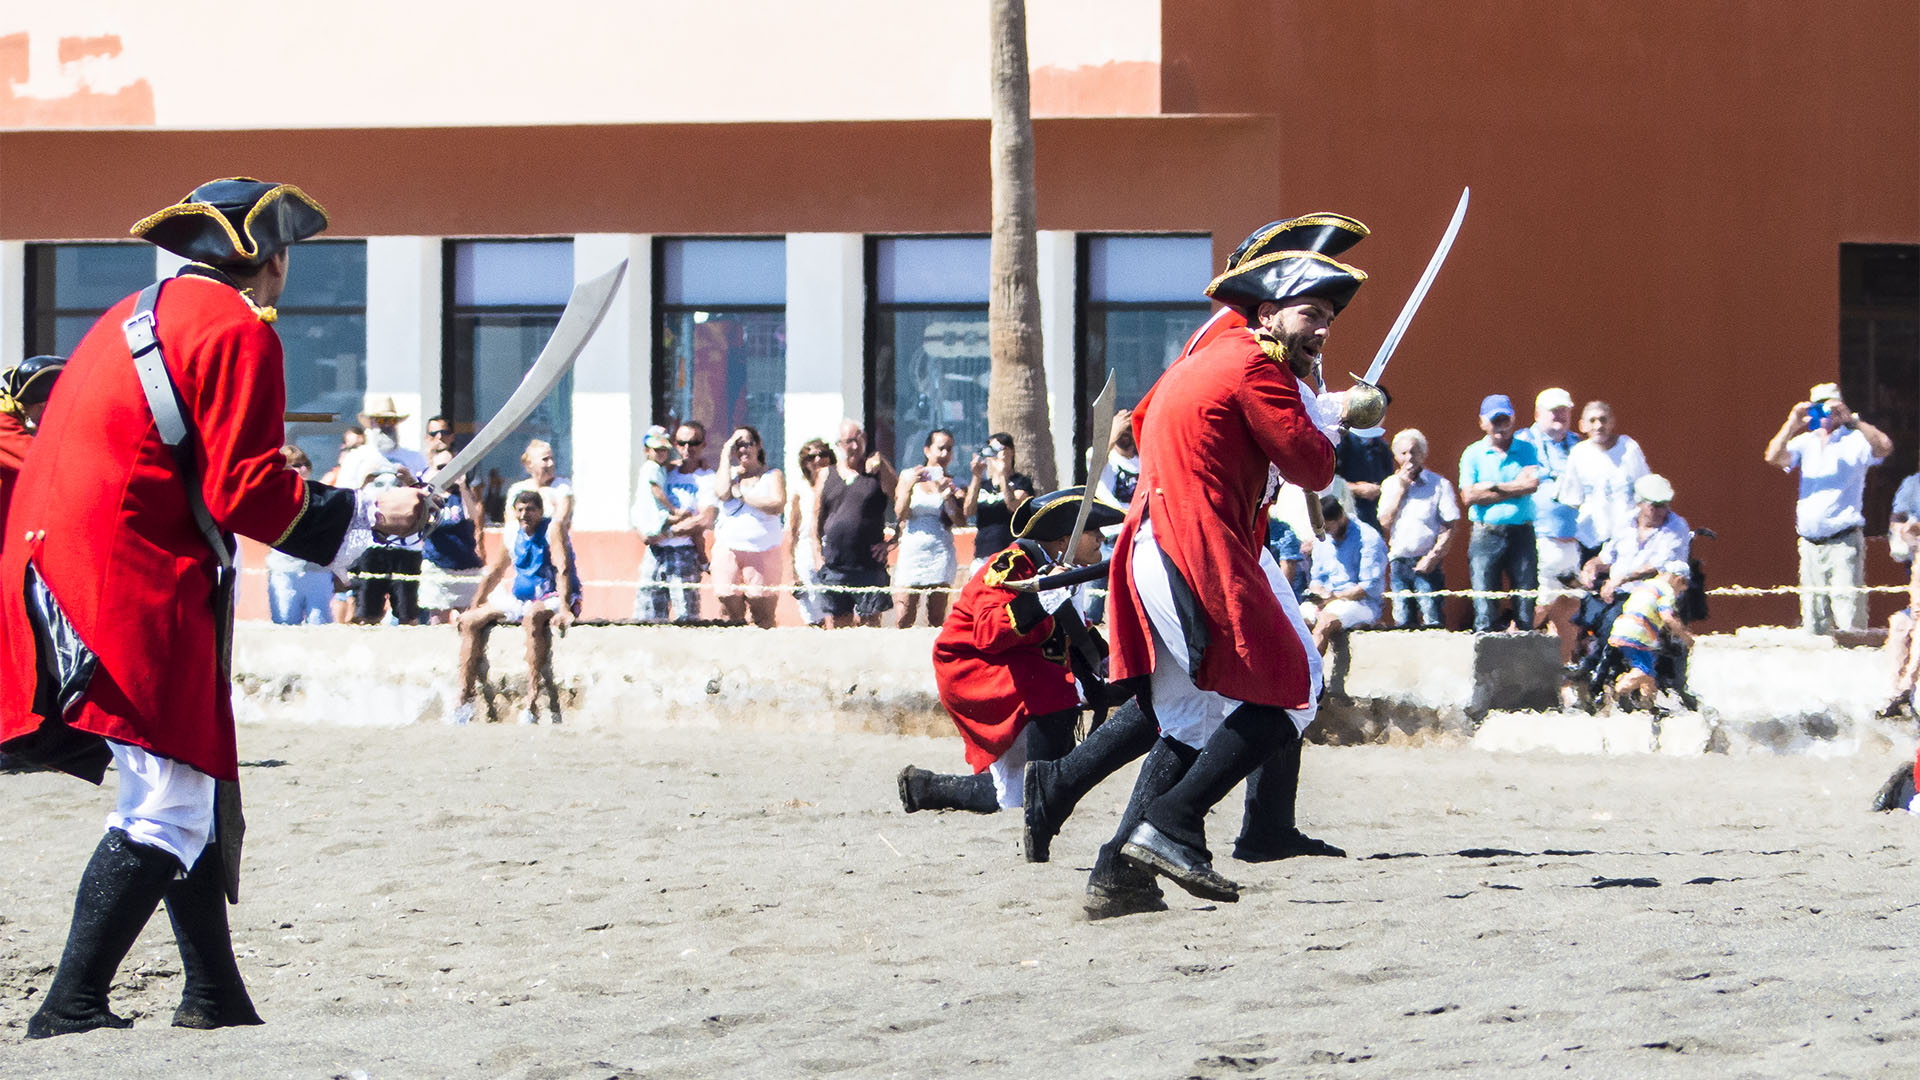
(680, 551)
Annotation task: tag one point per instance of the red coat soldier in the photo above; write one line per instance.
(1002, 663)
(164, 439)
(23, 400)
(1194, 612)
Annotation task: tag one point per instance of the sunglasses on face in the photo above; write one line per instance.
(443, 433)
(689, 442)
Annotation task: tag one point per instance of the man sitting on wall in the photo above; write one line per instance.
(533, 599)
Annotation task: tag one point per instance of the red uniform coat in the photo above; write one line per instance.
(997, 666)
(1218, 417)
(15, 441)
(101, 512)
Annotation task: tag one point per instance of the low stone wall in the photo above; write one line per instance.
(1762, 690)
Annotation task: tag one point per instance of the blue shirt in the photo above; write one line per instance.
(533, 573)
(1552, 518)
(1284, 546)
(1358, 558)
(1482, 464)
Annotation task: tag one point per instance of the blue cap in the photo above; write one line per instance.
(1495, 405)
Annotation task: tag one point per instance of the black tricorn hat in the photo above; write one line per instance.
(1321, 231)
(1051, 516)
(238, 220)
(1286, 275)
(29, 383)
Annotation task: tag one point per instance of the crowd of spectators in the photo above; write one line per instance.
(1563, 521)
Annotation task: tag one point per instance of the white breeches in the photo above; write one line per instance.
(1185, 711)
(162, 803)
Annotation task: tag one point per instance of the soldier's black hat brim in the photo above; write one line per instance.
(236, 221)
(1051, 516)
(1287, 275)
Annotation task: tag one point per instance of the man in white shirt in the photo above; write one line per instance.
(1833, 449)
(1599, 477)
(388, 575)
(1418, 509)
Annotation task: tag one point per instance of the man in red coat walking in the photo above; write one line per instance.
(163, 439)
(1194, 613)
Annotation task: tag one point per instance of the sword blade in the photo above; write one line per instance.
(585, 309)
(1100, 430)
(1392, 342)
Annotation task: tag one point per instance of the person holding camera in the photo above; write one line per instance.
(1832, 449)
(996, 490)
(747, 531)
(926, 504)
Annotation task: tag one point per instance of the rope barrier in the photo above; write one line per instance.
(706, 586)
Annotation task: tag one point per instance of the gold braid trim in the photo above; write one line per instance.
(1357, 273)
(242, 245)
(1003, 565)
(1318, 217)
(306, 499)
(11, 406)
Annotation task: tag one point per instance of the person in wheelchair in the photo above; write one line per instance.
(1647, 621)
(1655, 538)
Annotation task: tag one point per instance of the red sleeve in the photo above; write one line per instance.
(1269, 399)
(15, 441)
(999, 625)
(239, 401)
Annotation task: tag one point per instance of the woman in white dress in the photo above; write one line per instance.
(803, 536)
(747, 531)
(926, 504)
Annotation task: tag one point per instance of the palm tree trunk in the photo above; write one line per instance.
(1017, 395)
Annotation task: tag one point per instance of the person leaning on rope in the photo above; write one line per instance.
(122, 522)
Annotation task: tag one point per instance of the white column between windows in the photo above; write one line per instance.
(1058, 269)
(13, 302)
(612, 383)
(826, 336)
(404, 299)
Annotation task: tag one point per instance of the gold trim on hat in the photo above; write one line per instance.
(240, 246)
(1318, 217)
(1357, 273)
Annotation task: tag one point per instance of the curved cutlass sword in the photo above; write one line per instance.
(585, 310)
(1399, 330)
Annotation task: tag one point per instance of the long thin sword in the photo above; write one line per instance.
(1100, 430)
(1399, 330)
(585, 310)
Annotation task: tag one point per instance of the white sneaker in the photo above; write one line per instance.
(527, 717)
(462, 713)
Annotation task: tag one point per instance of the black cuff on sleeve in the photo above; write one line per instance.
(1025, 612)
(317, 533)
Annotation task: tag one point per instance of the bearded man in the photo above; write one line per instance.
(163, 439)
(1198, 617)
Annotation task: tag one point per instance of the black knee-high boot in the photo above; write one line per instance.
(1050, 736)
(214, 996)
(1054, 788)
(1267, 828)
(1116, 886)
(923, 790)
(1172, 840)
(123, 883)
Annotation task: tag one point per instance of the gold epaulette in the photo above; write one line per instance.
(1009, 563)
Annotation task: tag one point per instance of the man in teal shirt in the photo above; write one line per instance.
(1498, 476)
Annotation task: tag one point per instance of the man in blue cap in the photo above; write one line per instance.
(1498, 476)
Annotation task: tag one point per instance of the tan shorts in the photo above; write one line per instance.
(745, 573)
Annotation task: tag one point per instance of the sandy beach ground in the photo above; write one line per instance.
(548, 903)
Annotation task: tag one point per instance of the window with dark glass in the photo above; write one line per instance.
(1880, 357)
(720, 353)
(323, 332)
(504, 297)
(1141, 297)
(69, 286)
(927, 351)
